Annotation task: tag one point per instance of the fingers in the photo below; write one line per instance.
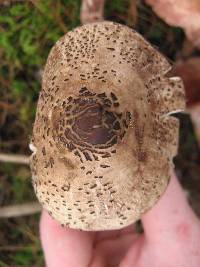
(171, 217)
(64, 247)
(171, 233)
(111, 246)
(114, 250)
(98, 260)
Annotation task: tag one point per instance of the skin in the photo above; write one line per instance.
(171, 238)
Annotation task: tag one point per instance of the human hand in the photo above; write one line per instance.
(171, 238)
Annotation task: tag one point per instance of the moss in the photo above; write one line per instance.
(27, 34)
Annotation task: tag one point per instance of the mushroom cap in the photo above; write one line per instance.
(103, 138)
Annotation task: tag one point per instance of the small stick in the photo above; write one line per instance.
(13, 248)
(21, 159)
(20, 210)
(92, 11)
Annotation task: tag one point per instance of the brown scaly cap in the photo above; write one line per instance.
(103, 140)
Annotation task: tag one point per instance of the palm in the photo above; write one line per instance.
(171, 238)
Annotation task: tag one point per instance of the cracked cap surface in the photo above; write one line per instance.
(103, 139)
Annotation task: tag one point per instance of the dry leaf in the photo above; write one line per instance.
(189, 71)
(182, 13)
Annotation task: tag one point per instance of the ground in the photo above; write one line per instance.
(28, 29)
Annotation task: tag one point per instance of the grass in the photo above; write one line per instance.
(27, 33)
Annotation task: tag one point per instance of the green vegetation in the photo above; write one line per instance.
(27, 33)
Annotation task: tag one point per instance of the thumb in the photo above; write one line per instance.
(64, 247)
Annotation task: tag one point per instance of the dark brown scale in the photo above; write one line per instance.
(113, 96)
(103, 95)
(87, 156)
(91, 126)
(70, 146)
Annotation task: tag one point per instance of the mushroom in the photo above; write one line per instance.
(103, 138)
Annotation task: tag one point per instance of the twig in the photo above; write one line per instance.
(14, 158)
(20, 210)
(7, 106)
(3, 264)
(92, 11)
(132, 13)
(14, 248)
(58, 18)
